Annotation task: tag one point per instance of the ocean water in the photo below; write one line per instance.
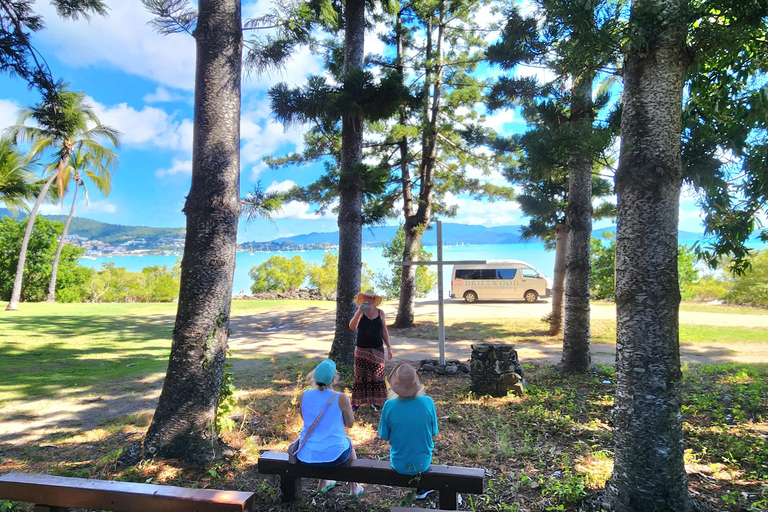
(533, 253)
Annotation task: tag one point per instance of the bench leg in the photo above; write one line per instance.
(291, 487)
(448, 500)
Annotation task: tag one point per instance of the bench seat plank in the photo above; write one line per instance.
(447, 480)
(119, 496)
(438, 477)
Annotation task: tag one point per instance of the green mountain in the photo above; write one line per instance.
(115, 234)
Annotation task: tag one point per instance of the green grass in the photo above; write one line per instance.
(543, 451)
(721, 309)
(50, 349)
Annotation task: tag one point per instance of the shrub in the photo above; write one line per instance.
(278, 273)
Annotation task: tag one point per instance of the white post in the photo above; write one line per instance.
(440, 316)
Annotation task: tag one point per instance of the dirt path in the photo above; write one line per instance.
(309, 330)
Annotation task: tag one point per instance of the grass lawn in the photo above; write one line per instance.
(543, 451)
(49, 349)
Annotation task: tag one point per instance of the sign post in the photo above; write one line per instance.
(439, 263)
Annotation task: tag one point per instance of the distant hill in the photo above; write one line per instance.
(114, 234)
(681, 235)
(453, 234)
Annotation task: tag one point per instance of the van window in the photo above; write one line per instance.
(475, 273)
(506, 273)
(529, 272)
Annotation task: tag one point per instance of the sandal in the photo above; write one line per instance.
(357, 495)
(331, 485)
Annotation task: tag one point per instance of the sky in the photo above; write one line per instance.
(142, 84)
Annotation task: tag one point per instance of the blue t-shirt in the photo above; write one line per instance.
(409, 425)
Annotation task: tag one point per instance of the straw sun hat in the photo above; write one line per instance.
(368, 293)
(405, 381)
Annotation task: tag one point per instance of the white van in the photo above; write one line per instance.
(499, 280)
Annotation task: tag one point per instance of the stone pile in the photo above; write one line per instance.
(495, 370)
(451, 367)
(300, 294)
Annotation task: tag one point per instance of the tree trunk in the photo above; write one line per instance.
(13, 305)
(416, 224)
(184, 422)
(578, 220)
(55, 267)
(649, 473)
(350, 193)
(407, 296)
(561, 242)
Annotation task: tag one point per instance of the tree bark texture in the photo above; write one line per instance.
(576, 332)
(350, 195)
(649, 473)
(184, 422)
(558, 283)
(62, 240)
(13, 304)
(413, 234)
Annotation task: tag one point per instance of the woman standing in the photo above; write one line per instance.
(323, 442)
(372, 336)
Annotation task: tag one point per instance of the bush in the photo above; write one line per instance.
(71, 279)
(710, 288)
(603, 278)
(752, 288)
(278, 273)
(116, 284)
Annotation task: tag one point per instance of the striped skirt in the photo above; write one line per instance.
(369, 386)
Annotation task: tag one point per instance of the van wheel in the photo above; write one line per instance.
(531, 296)
(470, 296)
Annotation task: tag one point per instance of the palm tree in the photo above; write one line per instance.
(82, 165)
(17, 177)
(65, 122)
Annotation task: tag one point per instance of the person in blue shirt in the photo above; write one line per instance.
(409, 422)
(327, 444)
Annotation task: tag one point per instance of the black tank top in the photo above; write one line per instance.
(369, 332)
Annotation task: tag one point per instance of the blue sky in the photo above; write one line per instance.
(142, 84)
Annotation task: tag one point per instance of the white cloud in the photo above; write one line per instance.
(282, 186)
(9, 111)
(262, 136)
(163, 95)
(123, 40)
(148, 127)
(102, 206)
(500, 120)
(472, 211)
(302, 211)
(177, 167)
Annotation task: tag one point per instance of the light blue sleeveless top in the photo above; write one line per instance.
(328, 440)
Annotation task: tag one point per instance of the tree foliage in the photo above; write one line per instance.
(72, 278)
(17, 177)
(324, 276)
(18, 21)
(151, 284)
(278, 273)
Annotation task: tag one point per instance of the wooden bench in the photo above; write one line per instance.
(58, 493)
(447, 480)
